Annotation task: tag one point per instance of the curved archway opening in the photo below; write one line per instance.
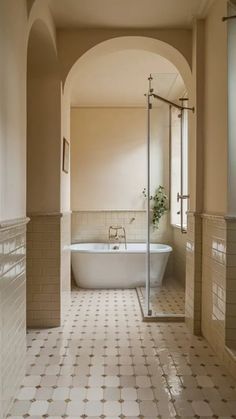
(106, 88)
(138, 43)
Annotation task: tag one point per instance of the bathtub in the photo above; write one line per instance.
(98, 265)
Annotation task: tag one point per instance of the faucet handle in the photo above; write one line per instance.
(116, 227)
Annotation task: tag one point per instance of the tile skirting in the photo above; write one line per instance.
(193, 273)
(219, 285)
(217, 217)
(16, 222)
(65, 263)
(48, 214)
(212, 216)
(48, 268)
(12, 309)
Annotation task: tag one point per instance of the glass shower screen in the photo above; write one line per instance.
(158, 152)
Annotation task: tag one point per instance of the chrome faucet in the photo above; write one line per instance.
(117, 234)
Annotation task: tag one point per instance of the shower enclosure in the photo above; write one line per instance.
(173, 116)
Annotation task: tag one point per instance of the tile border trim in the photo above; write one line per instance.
(15, 222)
(108, 210)
(48, 214)
(213, 216)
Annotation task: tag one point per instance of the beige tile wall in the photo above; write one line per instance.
(219, 286)
(65, 262)
(48, 269)
(193, 273)
(12, 310)
(43, 271)
(214, 280)
(179, 254)
(92, 226)
(231, 283)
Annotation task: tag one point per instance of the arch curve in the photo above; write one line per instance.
(135, 43)
(39, 12)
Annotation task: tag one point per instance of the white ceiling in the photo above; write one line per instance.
(120, 79)
(127, 13)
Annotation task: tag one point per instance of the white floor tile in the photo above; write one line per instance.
(38, 408)
(105, 361)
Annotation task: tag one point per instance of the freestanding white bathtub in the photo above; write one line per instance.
(96, 265)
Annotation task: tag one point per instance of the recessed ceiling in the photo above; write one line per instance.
(121, 79)
(127, 13)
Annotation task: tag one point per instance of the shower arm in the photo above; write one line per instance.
(225, 18)
(180, 107)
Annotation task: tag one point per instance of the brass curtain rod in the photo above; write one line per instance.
(225, 18)
(171, 103)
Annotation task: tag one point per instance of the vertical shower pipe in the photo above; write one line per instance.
(181, 169)
(181, 196)
(148, 259)
(170, 153)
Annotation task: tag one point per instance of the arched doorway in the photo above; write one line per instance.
(109, 48)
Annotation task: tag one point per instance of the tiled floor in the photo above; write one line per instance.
(106, 363)
(169, 299)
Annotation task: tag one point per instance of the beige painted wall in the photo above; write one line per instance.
(108, 157)
(215, 136)
(195, 122)
(14, 30)
(43, 156)
(13, 35)
(13, 46)
(48, 271)
(65, 130)
(12, 108)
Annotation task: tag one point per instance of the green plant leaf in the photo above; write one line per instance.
(159, 206)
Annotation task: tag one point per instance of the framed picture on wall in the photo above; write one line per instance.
(66, 154)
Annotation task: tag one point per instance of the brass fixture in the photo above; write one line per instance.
(117, 234)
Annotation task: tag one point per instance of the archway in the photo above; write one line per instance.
(135, 43)
(117, 45)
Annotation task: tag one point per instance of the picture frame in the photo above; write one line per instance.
(66, 155)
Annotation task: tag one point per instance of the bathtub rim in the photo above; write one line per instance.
(166, 249)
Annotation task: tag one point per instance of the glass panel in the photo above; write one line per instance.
(179, 163)
(147, 195)
(175, 166)
(164, 148)
(158, 174)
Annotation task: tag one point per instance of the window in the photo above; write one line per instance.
(179, 163)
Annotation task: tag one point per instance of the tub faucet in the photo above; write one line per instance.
(118, 234)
